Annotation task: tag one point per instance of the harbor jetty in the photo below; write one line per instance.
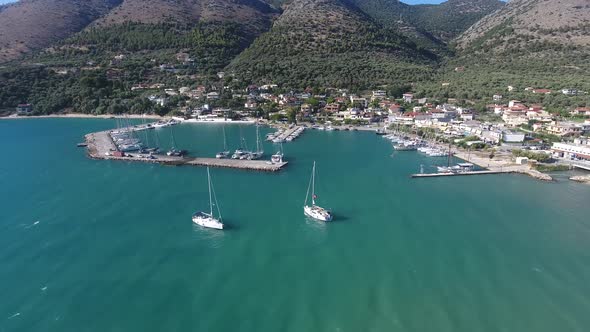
(101, 146)
(285, 134)
(489, 166)
(508, 170)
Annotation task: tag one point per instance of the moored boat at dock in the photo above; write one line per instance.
(225, 153)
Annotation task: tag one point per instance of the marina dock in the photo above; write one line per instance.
(434, 175)
(101, 146)
(507, 170)
(286, 135)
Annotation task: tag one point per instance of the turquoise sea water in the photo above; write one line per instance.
(109, 246)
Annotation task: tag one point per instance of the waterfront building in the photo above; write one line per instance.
(24, 109)
(571, 150)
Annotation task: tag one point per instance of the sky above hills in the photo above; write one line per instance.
(412, 2)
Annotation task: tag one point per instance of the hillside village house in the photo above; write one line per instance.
(564, 129)
(570, 92)
(394, 109)
(358, 101)
(542, 91)
(251, 104)
(213, 95)
(162, 101)
(514, 117)
(267, 87)
(408, 97)
(581, 111)
(24, 109)
(379, 94)
(332, 108)
(497, 97)
(306, 108)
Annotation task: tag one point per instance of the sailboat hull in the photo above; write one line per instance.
(205, 220)
(317, 213)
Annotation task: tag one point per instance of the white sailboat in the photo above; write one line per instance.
(259, 151)
(225, 153)
(174, 152)
(277, 157)
(313, 210)
(207, 219)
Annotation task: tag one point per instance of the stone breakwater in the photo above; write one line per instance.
(101, 146)
(582, 179)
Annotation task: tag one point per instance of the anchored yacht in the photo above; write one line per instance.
(313, 210)
(207, 219)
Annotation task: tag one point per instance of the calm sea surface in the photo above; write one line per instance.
(109, 246)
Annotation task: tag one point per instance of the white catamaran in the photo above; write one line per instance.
(315, 211)
(207, 219)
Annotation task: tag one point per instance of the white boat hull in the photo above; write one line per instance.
(207, 222)
(317, 212)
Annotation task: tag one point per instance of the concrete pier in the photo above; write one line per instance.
(101, 146)
(433, 175)
(496, 170)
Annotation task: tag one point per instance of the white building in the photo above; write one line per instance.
(408, 97)
(213, 95)
(569, 92)
(512, 137)
(571, 151)
(379, 94)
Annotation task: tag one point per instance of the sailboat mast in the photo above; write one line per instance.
(257, 139)
(210, 199)
(313, 185)
(224, 140)
(449, 156)
(173, 141)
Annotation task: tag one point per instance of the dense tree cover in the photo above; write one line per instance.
(89, 92)
(479, 77)
(210, 45)
(370, 58)
(105, 85)
(374, 57)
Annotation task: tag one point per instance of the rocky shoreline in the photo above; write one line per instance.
(581, 179)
